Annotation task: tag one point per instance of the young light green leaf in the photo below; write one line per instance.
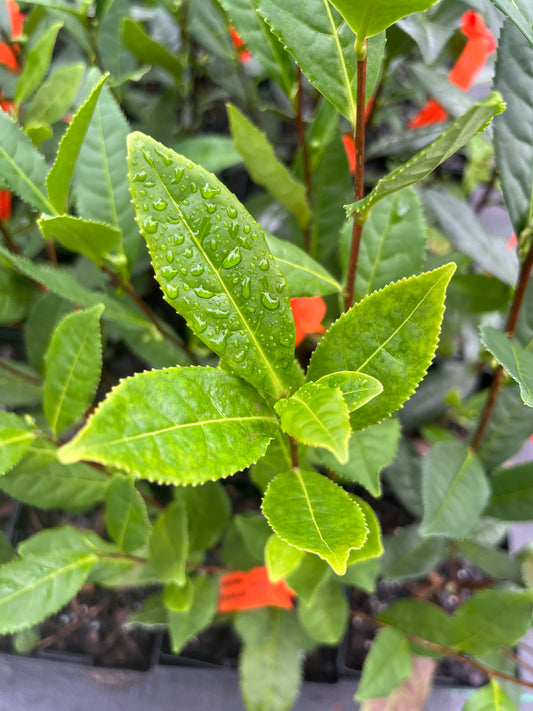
(56, 96)
(512, 493)
(184, 624)
(73, 363)
(126, 517)
(520, 13)
(37, 63)
(208, 513)
(142, 46)
(393, 243)
(184, 426)
(408, 556)
(455, 491)
(208, 271)
(31, 589)
(517, 361)
(310, 512)
(332, 65)
(388, 663)
(15, 438)
(265, 168)
(357, 388)
(281, 558)
(325, 616)
(304, 276)
(169, 544)
(373, 546)
(317, 415)
(40, 480)
(60, 175)
(369, 18)
(380, 336)
(429, 158)
(22, 166)
(92, 239)
(490, 697)
(179, 598)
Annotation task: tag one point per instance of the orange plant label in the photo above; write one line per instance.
(247, 590)
(308, 312)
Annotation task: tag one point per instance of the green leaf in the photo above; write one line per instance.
(270, 664)
(517, 361)
(325, 616)
(512, 493)
(92, 239)
(331, 66)
(388, 663)
(393, 243)
(420, 618)
(214, 152)
(7, 551)
(55, 97)
(126, 518)
(208, 513)
(73, 363)
(317, 415)
(276, 460)
(281, 558)
(407, 555)
(310, 512)
(357, 389)
(184, 624)
(477, 293)
(208, 271)
(60, 175)
(497, 563)
(429, 158)
(179, 599)
(46, 312)
(100, 176)
(31, 589)
(244, 543)
(307, 576)
(455, 491)
(363, 575)
(519, 12)
(183, 426)
(40, 480)
(372, 547)
(380, 336)
(19, 384)
(152, 615)
(169, 544)
(489, 698)
(15, 297)
(369, 18)
(64, 538)
(37, 63)
(490, 619)
(142, 46)
(265, 168)
(21, 165)
(370, 451)
(15, 438)
(304, 276)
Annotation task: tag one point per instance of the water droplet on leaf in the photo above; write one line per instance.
(171, 290)
(209, 191)
(232, 259)
(269, 302)
(232, 212)
(150, 226)
(160, 204)
(204, 293)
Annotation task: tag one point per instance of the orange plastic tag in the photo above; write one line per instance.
(308, 312)
(246, 590)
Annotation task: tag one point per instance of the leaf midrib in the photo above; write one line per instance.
(307, 270)
(30, 184)
(463, 470)
(311, 512)
(347, 82)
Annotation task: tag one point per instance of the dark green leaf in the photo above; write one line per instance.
(420, 618)
(512, 493)
(520, 13)
(47, 311)
(169, 544)
(142, 46)
(369, 18)
(92, 239)
(208, 512)
(56, 96)
(517, 361)
(388, 663)
(182, 625)
(407, 555)
(325, 616)
(126, 517)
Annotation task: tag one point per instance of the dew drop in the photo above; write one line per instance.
(140, 177)
(160, 204)
(233, 258)
(149, 184)
(246, 288)
(178, 239)
(170, 257)
(264, 265)
(232, 212)
(171, 290)
(142, 193)
(246, 228)
(194, 188)
(178, 175)
(167, 273)
(197, 270)
(167, 160)
(238, 356)
(145, 207)
(183, 271)
(209, 191)
(204, 293)
(188, 253)
(269, 302)
(150, 226)
(254, 236)
(211, 208)
(199, 324)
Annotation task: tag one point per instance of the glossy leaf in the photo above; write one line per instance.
(40, 480)
(126, 517)
(380, 336)
(208, 513)
(276, 460)
(281, 558)
(31, 589)
(517, 361)
(374, 16)
(520, 13)
(92, 239)
(372, 547)
(60, 175)
(408, 556)
(489, 698)
(142, 46)
(512, 493)
(73, 363)
(332, 65)
(388, 663)
(265, 168)
(455, 491)
(429, 158)
(15, 438)
(317, 415)
(183, 426)
(56, 96)
(325, 616)
(240, 311)
(304, 276)
(184, 624)
(46, 312)
(169, 544)
(37, 63)
(22, 167)
(357, 389)
(312, 513)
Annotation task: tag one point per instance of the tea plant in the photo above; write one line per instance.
(226, 392)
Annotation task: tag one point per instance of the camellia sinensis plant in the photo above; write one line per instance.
(93, 209)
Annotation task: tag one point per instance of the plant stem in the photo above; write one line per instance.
(300, 125)
(10, 242)
(20, 374)
(359, 183)
(518, 298)
(295, 459)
